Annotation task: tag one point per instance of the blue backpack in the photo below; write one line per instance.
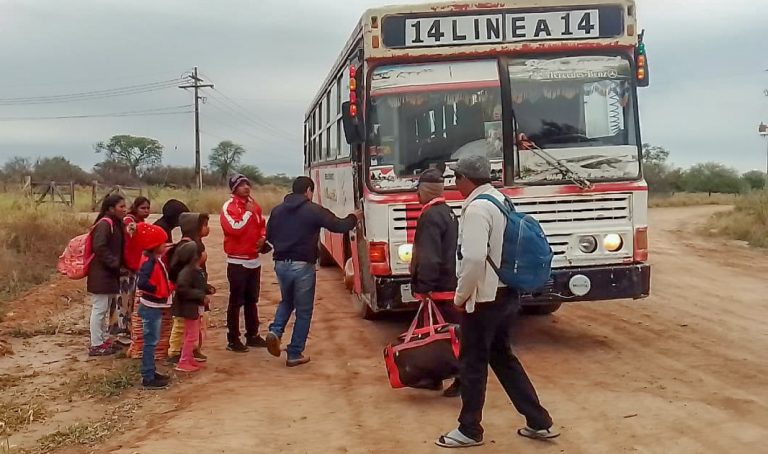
(526, 257)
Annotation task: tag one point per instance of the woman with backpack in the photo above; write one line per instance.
(122, 306)
(103, 282)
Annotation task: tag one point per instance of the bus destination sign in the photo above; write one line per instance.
(501, 27)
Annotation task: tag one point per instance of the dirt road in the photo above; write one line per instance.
(683, 371)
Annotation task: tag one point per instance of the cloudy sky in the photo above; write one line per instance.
(268, 57)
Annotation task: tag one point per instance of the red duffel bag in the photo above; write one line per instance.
(426, 354)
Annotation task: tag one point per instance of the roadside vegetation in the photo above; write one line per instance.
(748, 221)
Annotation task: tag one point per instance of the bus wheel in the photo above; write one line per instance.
(324, 258)
(540, 309)
(362, 308)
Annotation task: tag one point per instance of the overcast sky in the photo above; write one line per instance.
(267, 59)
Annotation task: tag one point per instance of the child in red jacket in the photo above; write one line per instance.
(156, 290)
(244, 236)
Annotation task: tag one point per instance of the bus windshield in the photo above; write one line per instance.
(423, 116)
(580, 111)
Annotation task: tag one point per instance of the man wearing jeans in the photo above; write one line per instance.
(293, 231)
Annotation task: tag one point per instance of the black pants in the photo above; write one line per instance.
(244, 286)
(485, 341)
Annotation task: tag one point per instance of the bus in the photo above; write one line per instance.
(546, 89)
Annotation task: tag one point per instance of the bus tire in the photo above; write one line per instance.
(324, 258)
(540, 309)
(349, 275)
(363, 309)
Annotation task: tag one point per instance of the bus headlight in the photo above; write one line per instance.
(405, 253)
(613, 242)
(587, 244)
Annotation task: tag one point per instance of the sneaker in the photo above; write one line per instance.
(162, 377)
(273, 344)
(101, 350)
(188, 367)
(154, 384)
(173, 360)
(257, 342)
(199, 356)
(237, 347)
(297, 361)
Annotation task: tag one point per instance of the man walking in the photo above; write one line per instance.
(490, 309)
(293, 231)
(433, 268)
(244, 235)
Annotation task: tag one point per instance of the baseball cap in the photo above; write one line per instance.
(476, 166)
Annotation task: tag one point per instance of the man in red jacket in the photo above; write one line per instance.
(244, 233)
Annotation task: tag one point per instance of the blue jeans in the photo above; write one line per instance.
(151, 318)
(297, 286)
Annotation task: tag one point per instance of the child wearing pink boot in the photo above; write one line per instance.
(189, 302)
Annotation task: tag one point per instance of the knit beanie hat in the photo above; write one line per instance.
(236, 180)
(149, 236)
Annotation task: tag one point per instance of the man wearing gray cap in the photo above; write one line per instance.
(489, 311)
(433, 267)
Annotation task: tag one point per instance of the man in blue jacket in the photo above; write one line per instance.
(293, 231)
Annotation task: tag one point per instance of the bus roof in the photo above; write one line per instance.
(384, 31)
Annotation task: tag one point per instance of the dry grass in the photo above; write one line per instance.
(16, 414)
(87, 434)
(687, 199)
(747, 222)
(209, 200)
(31, 240)
(107, 383)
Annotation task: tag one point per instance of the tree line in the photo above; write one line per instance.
(131, 160)
(709, 177)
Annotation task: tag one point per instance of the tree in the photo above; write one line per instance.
(111, 173)
(225, 158)
(653, 154)
(17, 168)
(253, 173)
(712, 177)
(135, 153)
(661, 177)
(755, 179)
(58, 168)
(279, 179)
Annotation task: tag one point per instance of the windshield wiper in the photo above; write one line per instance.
(558, 164)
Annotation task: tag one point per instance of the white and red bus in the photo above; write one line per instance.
(546, 89)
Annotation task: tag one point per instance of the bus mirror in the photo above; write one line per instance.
(353, 130)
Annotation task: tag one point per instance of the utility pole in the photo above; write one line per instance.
(763, 131)
(197, 84)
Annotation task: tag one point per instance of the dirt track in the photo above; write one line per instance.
(683, 371)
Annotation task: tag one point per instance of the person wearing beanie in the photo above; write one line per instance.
(155, 297)
(433, 265)
(244, 235)
(172, 211)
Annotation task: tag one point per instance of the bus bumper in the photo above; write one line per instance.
(606, 283)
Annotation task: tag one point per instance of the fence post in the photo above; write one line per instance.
(94, 185)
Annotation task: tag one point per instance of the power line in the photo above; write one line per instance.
(90, 95)
(272, 140)
(133, 113)
(197, 84)
(250, 116)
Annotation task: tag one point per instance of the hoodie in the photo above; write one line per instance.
(294, 227)
(172, 210)
(190, 224)
(191, 286)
